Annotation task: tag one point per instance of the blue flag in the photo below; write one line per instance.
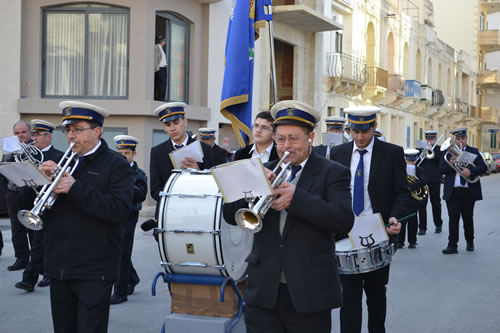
(236, 99)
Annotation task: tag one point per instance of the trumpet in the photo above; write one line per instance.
(45, 199)
(428, 153)
(29, 152)
(420, 193)
(452, 150)
(250, 218)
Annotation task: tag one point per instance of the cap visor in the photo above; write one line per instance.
(170, 118)
(361, 127)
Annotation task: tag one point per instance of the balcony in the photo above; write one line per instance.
(303, 17)
(489, 115)
(396, 90)
(425, 93)
(490, 78)
(412, 95)
(347, 74)
(376, 85)
(491, 6)
(437, 98)
(489, 40)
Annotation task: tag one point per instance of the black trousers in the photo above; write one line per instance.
(127, 232)
(460, 204)
(35, 266)
(1, 242)
(160, 84)
(21, 236)
(80, 306)
(412, 226)
(374, 284)
(284, 318)
(435, 199)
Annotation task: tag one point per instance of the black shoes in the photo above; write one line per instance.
(450, 250)
(400, 246)
(131, 287)
(24, 286)
(412, 245)
(45, 282)
(116, 299)
(421, 232)
(19, 264)
(470, 247)
(438, 230)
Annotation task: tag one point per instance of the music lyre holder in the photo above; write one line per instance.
(368, 242)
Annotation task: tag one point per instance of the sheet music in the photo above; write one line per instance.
(192, 150)
(421, 144)
(411, 170)
(333, 139)
(237, 178)
(10, 143)
(466, 157)
(23, 174)
(368, 229)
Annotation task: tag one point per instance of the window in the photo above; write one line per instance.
(85, 51)
(60, 142)
(338, 42)
(482, 27)
(493, 140)
(176, 32)
(159, 136)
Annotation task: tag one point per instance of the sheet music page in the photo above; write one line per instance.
(369, 229)
(237, 178)
(334, 139)
(411, 170)
(10, 143)
(466, 157)
(24, 174)
(192, 150)
(420, 144)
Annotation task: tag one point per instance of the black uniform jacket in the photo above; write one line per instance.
(220, 154)
(431, 167)
(321, 207)
(449, 179)
(161, 165)
(82, 230)
(140, 187)
(387, 182)
(245, 153)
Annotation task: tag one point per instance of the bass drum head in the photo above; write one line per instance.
(343, 245)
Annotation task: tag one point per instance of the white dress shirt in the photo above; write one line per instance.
(265, 155)
(367, 159)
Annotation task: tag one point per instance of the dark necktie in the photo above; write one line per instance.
(178, 146)
(358, 204)
(462, 179)
(295, 169)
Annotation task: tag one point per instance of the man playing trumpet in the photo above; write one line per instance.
(292, 274)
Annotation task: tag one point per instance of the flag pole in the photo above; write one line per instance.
(269, 11)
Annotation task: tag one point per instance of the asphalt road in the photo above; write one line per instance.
(428, 291)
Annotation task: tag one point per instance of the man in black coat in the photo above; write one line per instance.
(82, 230)
(207, 136)
(263, 146)
(334, 124)
(293, 281)
(42, 139)
(126, 146)
(379, 185)
(433, 177)
(461, 194)
(175, 124)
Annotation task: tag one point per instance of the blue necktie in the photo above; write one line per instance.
(178, 146)
(295, 170)
(358, 204)
(462, 179)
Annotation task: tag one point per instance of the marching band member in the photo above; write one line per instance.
(126, 146)
(433, 177)
(42, 139)
(292, 272)
(82, 229)
(411, 156)
(207, 136)
(263, 146)
(21, 236)
(175, 124)
(379, 185)
(379, 134)
(334, 124)
(461, 195)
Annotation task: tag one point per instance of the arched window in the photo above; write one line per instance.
(85, 51)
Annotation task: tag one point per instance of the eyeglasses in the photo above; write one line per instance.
(75, 130)
(280, 140)
(261, 127)
(38, 134)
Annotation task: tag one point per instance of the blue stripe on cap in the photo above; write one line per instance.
(362, 119)
(82, 113)
(459, 133)
(295, 114)
(176, 110)
(42, 127)
(126, 143)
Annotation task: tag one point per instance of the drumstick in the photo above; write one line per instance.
(401, 219)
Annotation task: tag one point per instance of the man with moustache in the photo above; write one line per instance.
(293, 281)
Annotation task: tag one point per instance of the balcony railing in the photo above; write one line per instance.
(412, 88)
(490, 40)
(377, 77)
(397, 84)
(346, 67)
(489, 115)
(464, 108)
(473, 111)
(437, 97)
(425, 93)
(492, 6)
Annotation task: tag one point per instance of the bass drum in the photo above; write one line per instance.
(193, 236)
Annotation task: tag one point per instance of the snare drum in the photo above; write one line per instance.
(193, 236)
(361, 259)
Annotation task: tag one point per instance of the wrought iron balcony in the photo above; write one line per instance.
(437, 97)
(346, 67)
